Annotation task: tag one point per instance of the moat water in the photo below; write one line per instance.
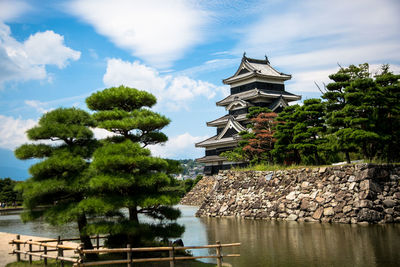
(267, 243)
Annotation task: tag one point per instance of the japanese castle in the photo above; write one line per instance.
(255, 83)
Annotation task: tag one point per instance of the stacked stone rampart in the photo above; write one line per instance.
(200, 191)
(363, 193)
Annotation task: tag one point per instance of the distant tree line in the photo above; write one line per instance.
(358, 117)
(8, 195)
(189, 165)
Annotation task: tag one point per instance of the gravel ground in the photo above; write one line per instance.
(6, 248)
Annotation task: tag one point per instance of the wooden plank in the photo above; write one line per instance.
(18, 248)
(46, 256)
(219, 254)
(30, 256)
(72, 239)
(129, 256)
(117, 250)
(42, 244)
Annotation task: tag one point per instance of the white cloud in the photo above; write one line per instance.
(11, 9)
(171, 92)
(308, 38)
(179, 147)
(37, 105)
(13, 131)
(326, 27)
(21, 61)
(100, 133)
(157, 31)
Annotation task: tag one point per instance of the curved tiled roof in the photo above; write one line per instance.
(256, 67)
(256, 93)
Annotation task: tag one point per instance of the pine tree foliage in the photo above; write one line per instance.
(388, 113)
(59, 182)
(335, 104)
(284, 150)
(362, 112)
(308, 133)
(121, 110)
(125, 175)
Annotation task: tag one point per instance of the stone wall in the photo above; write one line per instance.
(363, 193)
(200, 191)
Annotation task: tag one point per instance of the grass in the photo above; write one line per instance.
(268, 167)
(276, 167)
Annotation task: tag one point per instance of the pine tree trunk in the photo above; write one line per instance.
(133, 214)
(348, 157)
(134, 239)
(317, 160)
(85, 239)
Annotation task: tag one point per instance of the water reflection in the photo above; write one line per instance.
(10, 222)
(266, 243)
(271, 243)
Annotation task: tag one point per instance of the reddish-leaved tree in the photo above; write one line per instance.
(263, 142)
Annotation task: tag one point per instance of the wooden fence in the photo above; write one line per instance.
(46, 249)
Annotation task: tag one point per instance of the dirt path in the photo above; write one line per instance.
(6, 248)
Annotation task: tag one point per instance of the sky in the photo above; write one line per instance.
(56, 53)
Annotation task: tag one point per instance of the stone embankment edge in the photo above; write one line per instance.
(362, 193)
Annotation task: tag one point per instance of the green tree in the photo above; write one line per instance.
(58, 182)
(308, 132)
(335, 96)
(7, 193)
(125, 175)
(284, 149)
(388, 113)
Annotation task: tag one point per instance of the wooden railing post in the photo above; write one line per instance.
(30, 250)
(45, 253)
(219, 254)
(171, 255)
(129, 255)
(81, 254)
(97, 241)
(60, 250)
(18, 248)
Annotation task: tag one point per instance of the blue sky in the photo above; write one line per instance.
(56, 53)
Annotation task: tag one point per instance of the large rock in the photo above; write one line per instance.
(291, 196)
(292, 217)
(329, 211)
(367, 215)
(389, 203)
(318, 213)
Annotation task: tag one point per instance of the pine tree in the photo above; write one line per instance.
(284, 150)
(59, 182)
(388, 113)
(125, 175)
(336, 101)
(309, 130)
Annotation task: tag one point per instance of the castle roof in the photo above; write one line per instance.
(256, 93)
(250, 67)
(223, 137)
(224, 119)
